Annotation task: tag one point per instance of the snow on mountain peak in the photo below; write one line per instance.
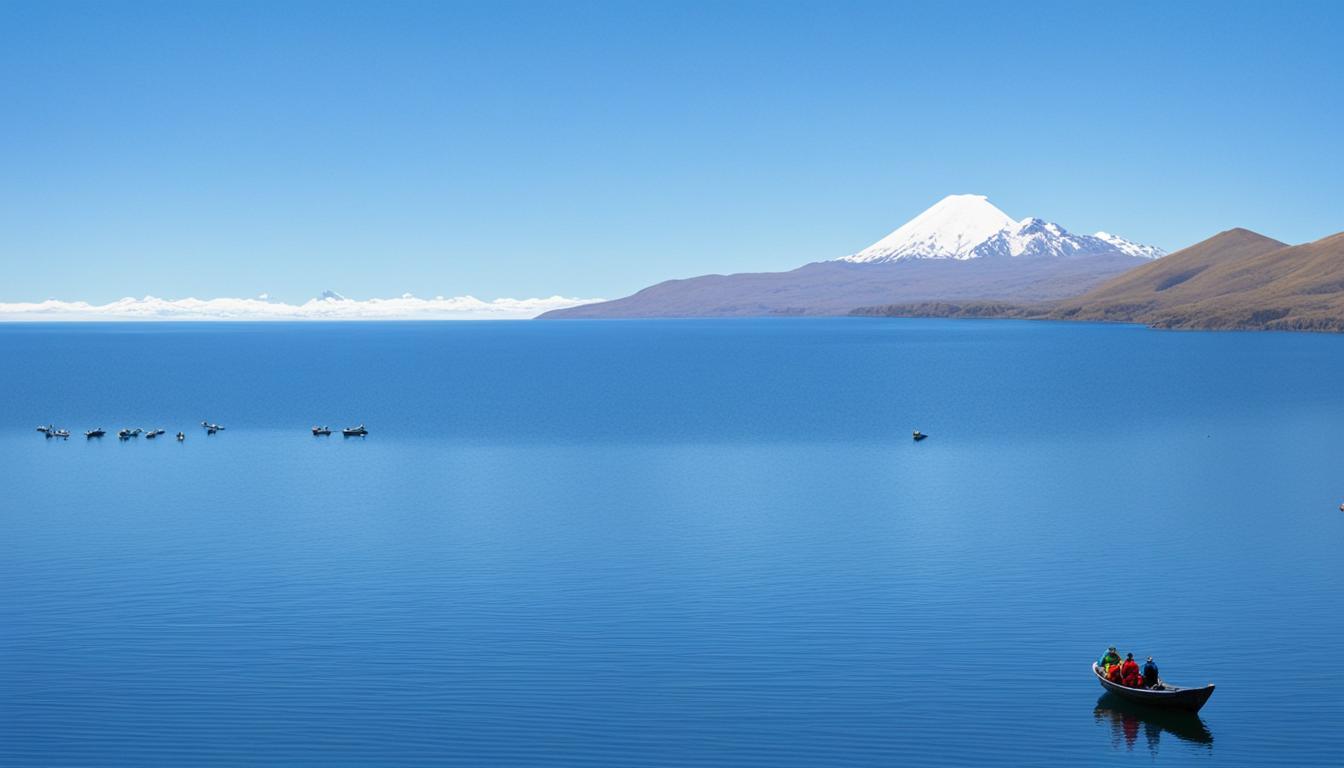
(970, 227)
(1130, 247)
(950, 228)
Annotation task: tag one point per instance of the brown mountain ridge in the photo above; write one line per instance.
(1236, 279)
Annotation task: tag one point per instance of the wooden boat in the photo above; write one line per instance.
(1167, 697)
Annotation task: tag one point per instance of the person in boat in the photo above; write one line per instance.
(1115, 675)
(1149, 674)
(1110, 659)
(1129, 672)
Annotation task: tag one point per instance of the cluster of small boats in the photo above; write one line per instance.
(359, 431)
(122, 434)
(127, 434)
(149, 434)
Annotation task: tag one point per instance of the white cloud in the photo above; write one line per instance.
(331, 307)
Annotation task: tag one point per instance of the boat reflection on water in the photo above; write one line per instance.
(1128, 719)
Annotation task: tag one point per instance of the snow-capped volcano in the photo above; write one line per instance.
(950, 229)
(971, 227)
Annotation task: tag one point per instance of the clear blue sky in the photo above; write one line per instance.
(589, 149)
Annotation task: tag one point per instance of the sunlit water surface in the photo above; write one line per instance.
(667, 543)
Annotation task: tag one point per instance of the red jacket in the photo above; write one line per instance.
(1129, 673)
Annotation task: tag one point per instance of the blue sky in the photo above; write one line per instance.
(589, 149)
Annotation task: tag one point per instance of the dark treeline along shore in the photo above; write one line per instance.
(1236, 279)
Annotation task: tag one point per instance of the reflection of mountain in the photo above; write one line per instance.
(1128, 719)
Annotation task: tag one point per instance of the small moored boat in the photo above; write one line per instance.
(1164, 697)
(154, 433)
(359, 431)
(919, 435)
(61, 433)
(45, 430)
(181, 437)
(99, 432)
(321, 431)
(211, 428)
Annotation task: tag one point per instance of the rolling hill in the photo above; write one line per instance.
(1236, 279)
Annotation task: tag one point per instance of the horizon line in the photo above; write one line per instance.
(330, 306)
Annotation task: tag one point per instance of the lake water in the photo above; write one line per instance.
(668, 543)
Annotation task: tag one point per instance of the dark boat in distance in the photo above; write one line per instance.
(919, 435)
(154, 433)
(359, 431)
(99, 432)
(211, 429)
(181, 436)
(321, 431)
(1166, 697)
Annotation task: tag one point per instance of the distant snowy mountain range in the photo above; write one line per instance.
(961, 249)
(971, 227)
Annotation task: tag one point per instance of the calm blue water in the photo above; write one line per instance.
(668, 543)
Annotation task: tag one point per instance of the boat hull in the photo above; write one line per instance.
(1170, 697)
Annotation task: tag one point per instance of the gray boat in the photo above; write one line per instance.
(1165, 696)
